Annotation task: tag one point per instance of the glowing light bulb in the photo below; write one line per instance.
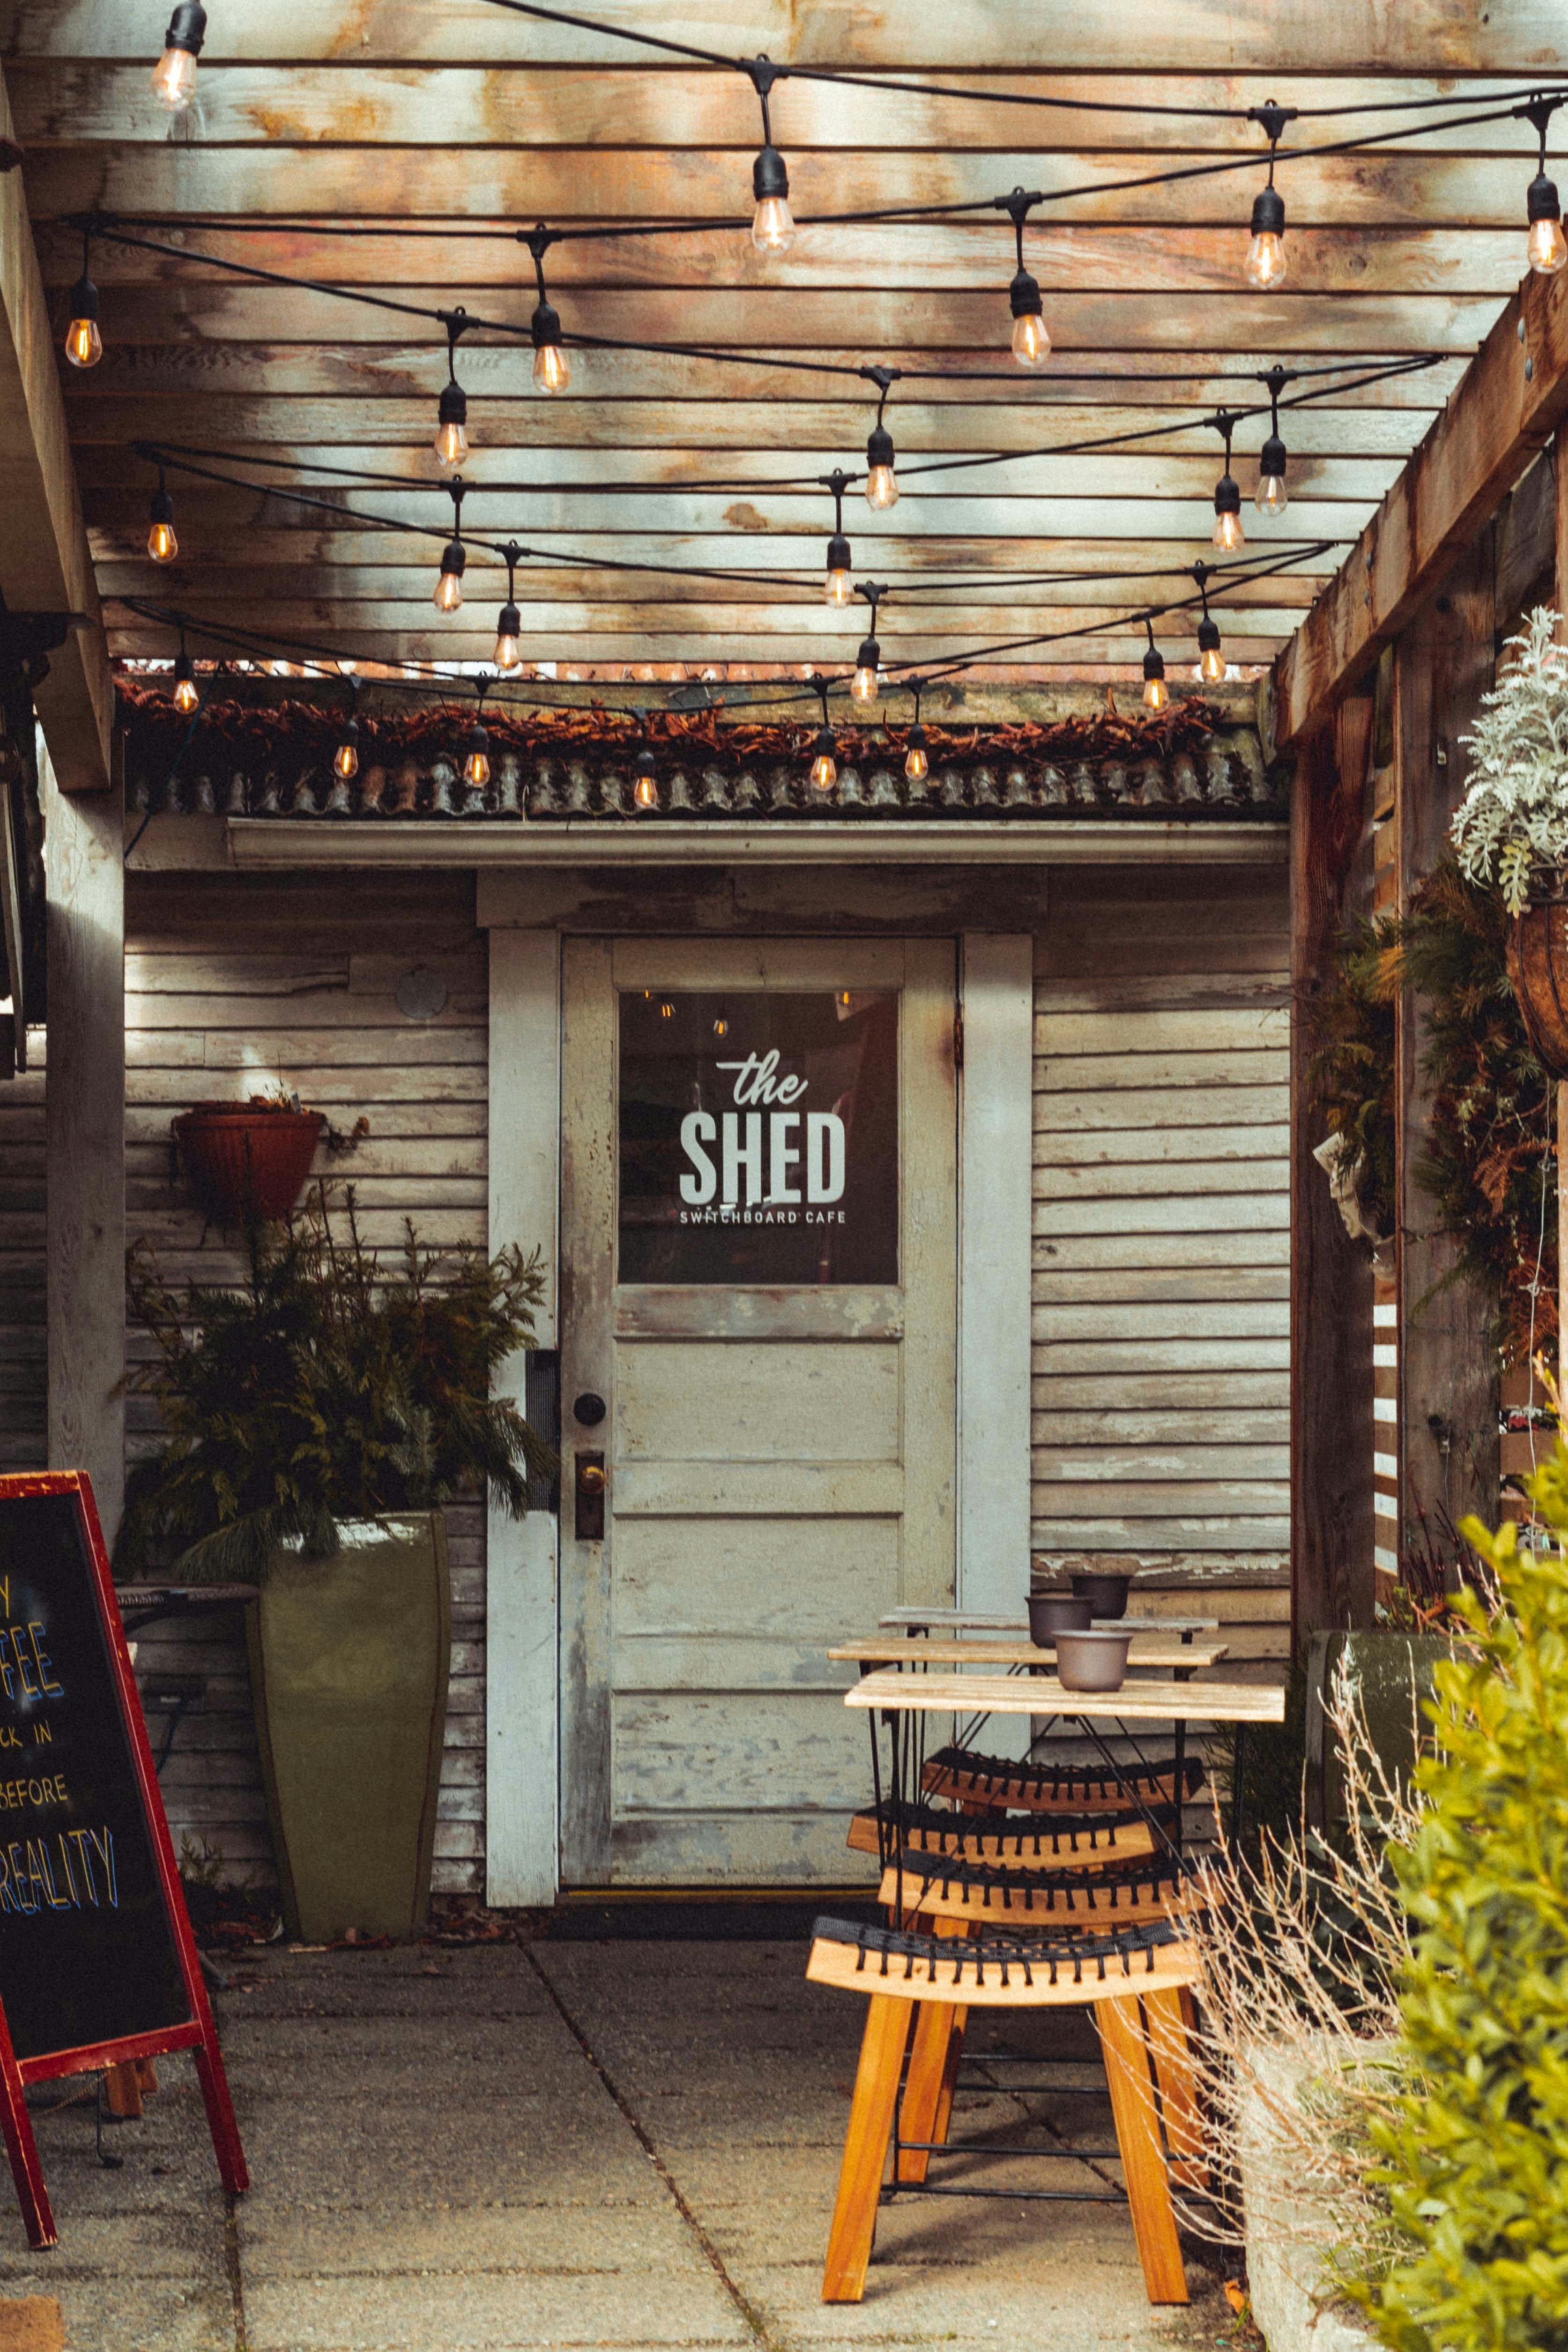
(773, 224)
(667, 1011)
(345, 759)
(451, 444)
(645, 792)
(1031, 345)
(1211, 658)
(448, 595)
(917, 762)
(823, 766)
(1265, 262)
(84, 342)
(162, 544)
(1271, 497)
(1548, 247)
(721, 1027)
(186, 695)
(863, 686)
(881, 482)
(1227, 531)
(476, 766)
(1156, 693)
(509, 628)
(551, 372)
(174, 75)
(840, 589)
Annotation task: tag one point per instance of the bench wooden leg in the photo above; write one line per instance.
(866, 2149)
(1171, 2021)
(1132, 2083)
(122, 2090)
(934, 2052)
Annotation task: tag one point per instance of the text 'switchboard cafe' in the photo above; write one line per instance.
(759, 1137)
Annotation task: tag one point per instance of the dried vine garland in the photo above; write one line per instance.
(1490, 1161)
(266, 733)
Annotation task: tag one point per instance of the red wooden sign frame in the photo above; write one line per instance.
(198, 2032)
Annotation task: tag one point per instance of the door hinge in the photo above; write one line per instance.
(958, 1041)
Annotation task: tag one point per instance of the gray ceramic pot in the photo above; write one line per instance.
(1095, 1661)
(1105, 1590)
(1051, 1613)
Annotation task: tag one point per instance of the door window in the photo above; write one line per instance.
(759, 1137)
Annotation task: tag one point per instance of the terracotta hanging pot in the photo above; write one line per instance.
(1538, 967)
(246, 1161)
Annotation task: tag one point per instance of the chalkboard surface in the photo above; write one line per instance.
(87, 1951)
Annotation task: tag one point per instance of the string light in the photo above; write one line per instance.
(773, 224)
(174, 75)
(1031, 345)
(345, 759)
(1211, 659)
(644, 790)
(1156, 693)
(551, 369)
(186, 695)
(84, 342)
(917, 762)
(1227, 531)
(449, 597)
(508, 621)
(162, 544)
(1548, 249)
(823, 766)
(869, 660)
(476, 766)
(881, 481)
(1265, 261)
(1271, 497)
(451, 442)
(840, 590)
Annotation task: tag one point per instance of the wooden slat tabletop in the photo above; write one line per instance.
(947, 1620)
(891, 1649)
(1148, 1702)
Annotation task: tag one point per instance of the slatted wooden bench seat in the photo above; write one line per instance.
(968, 1777)
(1133, 1980)
(938, 1887)
(1084, 1839)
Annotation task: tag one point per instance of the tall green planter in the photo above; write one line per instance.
(1393, 1676)
(349, 1664)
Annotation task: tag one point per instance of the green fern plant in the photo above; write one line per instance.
(329, 1385)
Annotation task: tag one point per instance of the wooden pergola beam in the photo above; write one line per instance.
(44, 566)
(1509, 403)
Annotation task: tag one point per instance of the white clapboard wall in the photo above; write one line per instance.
(237, 988)
(1161, 1424)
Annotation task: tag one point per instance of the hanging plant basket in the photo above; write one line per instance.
(1538, 968)
(248, 1161)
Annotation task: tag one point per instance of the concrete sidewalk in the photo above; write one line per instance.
(621, 2144)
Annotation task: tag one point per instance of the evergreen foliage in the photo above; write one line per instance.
(1473, 2155)
(328, 1386)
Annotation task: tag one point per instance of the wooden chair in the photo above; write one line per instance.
(1000, 1782)
(1127, 1977)
(1028, 1839)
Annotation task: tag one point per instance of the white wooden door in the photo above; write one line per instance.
(758, 1273)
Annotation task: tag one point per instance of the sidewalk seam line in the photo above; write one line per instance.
(233, 2265)
(748, 2313)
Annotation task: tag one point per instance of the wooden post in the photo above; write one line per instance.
(85, 1113)
(1331, 1527)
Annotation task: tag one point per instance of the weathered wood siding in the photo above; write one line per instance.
(1161, 1424)
(232, 988)
(24, 1364)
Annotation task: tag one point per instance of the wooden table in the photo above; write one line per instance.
(1153, 1653)
(950, 1620)
(891, 1693)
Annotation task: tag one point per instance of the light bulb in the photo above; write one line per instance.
(917, 764)
(1265, 263)
(881, 483)
(345, 759)
(1156, 694)
(863, 686)
(1227, 531)
(551, 370)
(451, 443)
(476, 766)
(509, 626)
(823, 766)
(1031, 345)
(84, 342)
(773, 226)
(840, 590)
(667, 1011)
(1548, 247)
(186, 695)
(448, 595)
(1211, 659)
(1271, 497)
(645, 792)
(721, 1027)
(162, 544)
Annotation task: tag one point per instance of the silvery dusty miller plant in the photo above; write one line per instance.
(1513, 820)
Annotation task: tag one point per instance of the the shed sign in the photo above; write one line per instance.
(758, 1138)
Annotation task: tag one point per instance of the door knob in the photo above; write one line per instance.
(589, 1409)
(588, 1489)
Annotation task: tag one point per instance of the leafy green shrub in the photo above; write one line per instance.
(328, 1386)
(1473, 2156)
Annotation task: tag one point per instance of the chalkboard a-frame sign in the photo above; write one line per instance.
(97, 1962)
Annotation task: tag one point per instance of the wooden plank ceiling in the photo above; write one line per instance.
(451, 117)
